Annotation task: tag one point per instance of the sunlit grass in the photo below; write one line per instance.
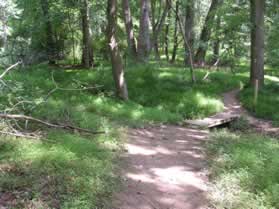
(244, 171)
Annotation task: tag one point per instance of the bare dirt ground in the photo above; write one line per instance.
(165, 166)
(164, 169)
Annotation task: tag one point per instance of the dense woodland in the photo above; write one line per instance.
(76, 74)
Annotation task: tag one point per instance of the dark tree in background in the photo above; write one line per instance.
(129, 27)
(175, 36)
(144, 43)
(257, 42)
(189, 29)
(87, 48)
(206, 32)
(50, 44)
(116, 60)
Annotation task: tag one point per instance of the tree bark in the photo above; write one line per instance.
(50, 45)
(167, 36)
(257, 42)
(186, 43)
(116, 60)
(144, 44)
(189, 29)
(175, 38)
(216, 44)
(129, 28)
(206, 32)
(87, 48)
(157, 27)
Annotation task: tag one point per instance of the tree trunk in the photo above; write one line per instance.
(216, 44)
(157, 27)
(87, 48)
(144, 35)
(175, 38)
(116, 60)
(186, 43)
(189, 29)
(206, 32)
(129, 27)
(50, 45)
(257, 42)
(167, 36)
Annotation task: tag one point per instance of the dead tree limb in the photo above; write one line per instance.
(18, 135)
(46, 123)
(8, 69)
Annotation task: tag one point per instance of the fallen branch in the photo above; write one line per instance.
(206, 76)
(18, 135)
(57, 88)
(51, 125)
(9, 68)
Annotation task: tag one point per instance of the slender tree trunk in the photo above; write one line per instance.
(50, 44)
(116, 60)
(257, 42)
(167, 36)
(157, 27)
(216, 44)
(87, 48)
(4, 21)
(144, 44)
(206, 32)
(186, 43)
(189, 29)
(129, 27)
(175, 38)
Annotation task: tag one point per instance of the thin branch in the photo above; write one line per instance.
(9, 68)
(18, 135)
(51, 125)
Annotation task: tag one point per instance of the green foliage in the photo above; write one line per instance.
(245, 170)
(273, 43)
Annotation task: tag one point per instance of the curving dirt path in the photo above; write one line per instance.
(165, 167)
(233, 106)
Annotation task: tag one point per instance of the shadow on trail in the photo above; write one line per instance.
(164, 169)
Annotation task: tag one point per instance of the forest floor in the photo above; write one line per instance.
(60, 168)
(166, 166)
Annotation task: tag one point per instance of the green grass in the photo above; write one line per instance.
(244, 171)
(267, 106)
(66, 171)
(72, 170)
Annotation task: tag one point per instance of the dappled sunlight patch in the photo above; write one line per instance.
(204, 101)
(272, 78)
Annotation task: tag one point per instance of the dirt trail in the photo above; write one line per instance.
(233, 106)
(164, 167)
